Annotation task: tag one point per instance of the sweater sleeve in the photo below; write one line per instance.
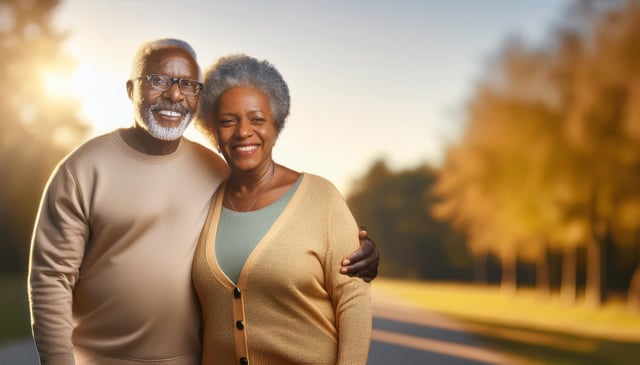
(350, 295)
(57, 248)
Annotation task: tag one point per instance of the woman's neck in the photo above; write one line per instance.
(244, 189)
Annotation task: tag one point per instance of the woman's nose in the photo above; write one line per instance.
(244, 129)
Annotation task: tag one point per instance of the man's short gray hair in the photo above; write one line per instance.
(147, 48)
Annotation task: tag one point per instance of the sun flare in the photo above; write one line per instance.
(56, 84)
(102, 96)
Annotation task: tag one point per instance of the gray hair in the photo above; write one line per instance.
(242, 70)
(147, 48)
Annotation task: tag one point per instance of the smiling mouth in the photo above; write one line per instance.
(245, 148)
(169, 113)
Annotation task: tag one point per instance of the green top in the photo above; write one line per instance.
(240, 232)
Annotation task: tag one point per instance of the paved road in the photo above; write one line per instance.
(411, 335)
(402, 334)
(19, 353)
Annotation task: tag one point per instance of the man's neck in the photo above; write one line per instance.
(140, 140)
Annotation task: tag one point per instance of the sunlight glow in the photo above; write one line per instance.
(104, 103)
(55, 84)
(83, 77)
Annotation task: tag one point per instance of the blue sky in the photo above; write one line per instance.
(368, 79)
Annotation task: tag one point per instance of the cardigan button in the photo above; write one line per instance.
(244, 361)
(239, 325)
(236, 293)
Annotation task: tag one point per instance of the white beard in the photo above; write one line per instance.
(158, 131)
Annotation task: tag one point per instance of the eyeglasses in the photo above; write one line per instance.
(163, 83)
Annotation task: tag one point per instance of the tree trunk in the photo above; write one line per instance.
(569, 274)
(509, 270)
(633, 296)
(593, 285)
(480, 268)
(595, 255)
(543, 282)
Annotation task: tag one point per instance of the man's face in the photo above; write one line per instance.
(164, 114)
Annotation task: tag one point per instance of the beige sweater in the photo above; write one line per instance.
(291, 305)
(111, 256)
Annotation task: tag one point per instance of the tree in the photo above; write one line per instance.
(38, 128)
(495, 184)
(551, 159)
(395, 208)
(603, 129)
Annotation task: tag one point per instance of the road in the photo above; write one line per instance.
(401, 333)
(412, 335)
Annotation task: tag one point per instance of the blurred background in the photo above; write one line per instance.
(489, 147)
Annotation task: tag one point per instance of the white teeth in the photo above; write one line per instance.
(246, 148)
(169, 113)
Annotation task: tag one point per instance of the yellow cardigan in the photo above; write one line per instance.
(291, 305)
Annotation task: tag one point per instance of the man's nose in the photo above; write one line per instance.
(174, 93)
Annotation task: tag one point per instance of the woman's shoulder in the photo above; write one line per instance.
(320, 184)
(315, 180)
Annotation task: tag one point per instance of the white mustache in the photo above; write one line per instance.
(171, 107)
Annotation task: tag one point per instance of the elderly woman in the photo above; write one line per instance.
(267, 265)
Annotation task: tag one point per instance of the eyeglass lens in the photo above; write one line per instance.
(164, 83)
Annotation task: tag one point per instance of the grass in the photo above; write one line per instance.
(14, 309)
(543, 329)
(526, 307)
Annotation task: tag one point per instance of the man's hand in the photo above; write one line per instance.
(364, 261)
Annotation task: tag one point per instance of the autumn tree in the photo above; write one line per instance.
(491, 183)
(38, 127)
(551, 158)
(603, 131)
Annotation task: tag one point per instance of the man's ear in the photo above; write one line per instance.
(130, 89)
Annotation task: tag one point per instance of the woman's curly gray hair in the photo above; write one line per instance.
(242, 70)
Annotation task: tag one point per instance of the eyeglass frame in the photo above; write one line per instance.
(174, 80)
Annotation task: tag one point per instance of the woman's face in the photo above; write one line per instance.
(245, 129)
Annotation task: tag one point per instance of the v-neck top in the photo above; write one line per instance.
(240, 232)
(290, 304)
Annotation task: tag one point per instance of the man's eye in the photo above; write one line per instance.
(160, 81)
(188, 84)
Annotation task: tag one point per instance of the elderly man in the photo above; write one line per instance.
(112, 250)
